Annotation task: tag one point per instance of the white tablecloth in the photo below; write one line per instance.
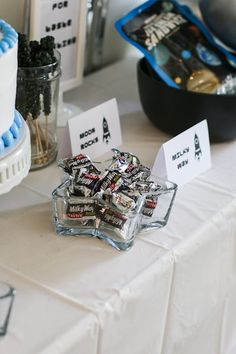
(174, 292)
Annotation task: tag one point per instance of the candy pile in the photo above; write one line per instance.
(114, 204)
(35, 53)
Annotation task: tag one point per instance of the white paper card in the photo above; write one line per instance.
(93, 132)
(185, 156)
(66, 22)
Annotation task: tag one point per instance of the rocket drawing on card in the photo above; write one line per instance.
(106, 131)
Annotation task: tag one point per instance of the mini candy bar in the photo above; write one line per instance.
(83, 183)
(112, 180)
(179, 47)
(119, 164)
(149, 205)
(136, 172)
(77, 162)
(142, 186)
(92, 169)
(134, 194)
(123, 202)
(82, 209)
(125, 199)
(156, 187)
(126, 156)
(112, 217)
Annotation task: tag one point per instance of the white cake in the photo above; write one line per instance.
(10, 121)
(15, 152)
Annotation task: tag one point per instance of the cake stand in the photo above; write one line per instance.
(15, 161)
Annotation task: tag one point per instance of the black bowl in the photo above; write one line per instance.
(175, 110)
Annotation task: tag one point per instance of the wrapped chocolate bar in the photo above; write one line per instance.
(119, 219)
(84, 183)
(114, 205)
(179, 48)
(112, 218)
(112, 180)
(159, 197)
(73, 214)
(74, 163)
(81, 209)
(150, 205)
(125, 200)
(136, 173)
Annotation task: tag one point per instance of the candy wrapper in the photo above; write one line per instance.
(113, 205)
(179, 48)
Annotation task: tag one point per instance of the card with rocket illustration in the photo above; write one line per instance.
(93, 132)
(185, 156)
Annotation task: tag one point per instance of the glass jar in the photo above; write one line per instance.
(37, 101)
(92, 216)
(7, 294)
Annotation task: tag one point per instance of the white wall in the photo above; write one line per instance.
(12, 11)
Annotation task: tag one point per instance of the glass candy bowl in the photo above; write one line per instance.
(77, 216)
(95, 217)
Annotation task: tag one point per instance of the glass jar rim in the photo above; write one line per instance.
(58, 61)
(25, 72)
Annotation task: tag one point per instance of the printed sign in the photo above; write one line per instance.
(185, 156)
(93, 132)
(66, 21)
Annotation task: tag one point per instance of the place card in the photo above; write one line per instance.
(93, 132)
(185, 156)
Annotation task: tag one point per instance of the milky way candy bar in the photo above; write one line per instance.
(142, 186)
(126, 158)
(123, 202)
(132, 193)
(113, 218)
(76, 162)
(83, 183)
(119, 164)
(150, 205)
(82, 209)
(136, 172)
(112, 180)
